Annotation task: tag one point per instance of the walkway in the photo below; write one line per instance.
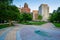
(32, 32)
(43, 32)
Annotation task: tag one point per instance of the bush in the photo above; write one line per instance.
(33, 23)
(57, 24)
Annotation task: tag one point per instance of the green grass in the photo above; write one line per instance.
(57, 24)
(33, 23)
(3, 25)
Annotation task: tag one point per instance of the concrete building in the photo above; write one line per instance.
(25, 8)
(44, 11)
(35, 14)
(19, 9)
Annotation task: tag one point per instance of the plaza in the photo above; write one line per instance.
(30, 32)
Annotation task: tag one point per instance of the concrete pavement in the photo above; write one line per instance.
(45, 32)
(28, 32)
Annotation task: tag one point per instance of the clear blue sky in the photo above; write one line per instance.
(34, 4)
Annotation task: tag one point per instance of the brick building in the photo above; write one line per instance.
(25, 8)
(35, 14)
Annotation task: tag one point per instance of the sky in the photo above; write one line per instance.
(34, 4)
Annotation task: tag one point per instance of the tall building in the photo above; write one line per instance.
(19, 9)
(44, 12)
(35, 14)
(25, 8)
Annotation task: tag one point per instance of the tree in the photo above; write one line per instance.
(9, 12)
(39, 17)
(58, 10)
(58, 14)
(3, 8)
(21, 17)
(54, 11)
(26, 17)
(55, 15)
(6, 2)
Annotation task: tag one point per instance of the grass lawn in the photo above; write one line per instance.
(3, 25)
(33, 23)
(57, 24)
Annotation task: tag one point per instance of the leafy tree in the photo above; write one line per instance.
(5, 2)
(54, 11)
(39, 17)
(21, 17)
(26, 17)
(55, 15)
(8, 12)
(3, 8)
(58, 10)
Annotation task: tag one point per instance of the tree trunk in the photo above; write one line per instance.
(10, 23)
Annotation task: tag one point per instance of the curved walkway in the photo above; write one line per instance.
(43, 32)
(32, 32)
(4, 32)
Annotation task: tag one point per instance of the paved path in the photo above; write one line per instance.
(32, 32)
(3, 30)
(12, 34)
(43, 32)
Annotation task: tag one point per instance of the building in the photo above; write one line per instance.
(19, 9)
(44, 11)
(35, 14)
(25, 8)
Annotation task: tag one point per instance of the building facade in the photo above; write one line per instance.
(25, 8)
(44, 12)
(35, 14)
(19, 9)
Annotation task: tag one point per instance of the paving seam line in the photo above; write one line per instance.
(18, 37)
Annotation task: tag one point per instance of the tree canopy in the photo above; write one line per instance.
(39, 17)
(8, 11)
(26, 17)
(55, 15)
